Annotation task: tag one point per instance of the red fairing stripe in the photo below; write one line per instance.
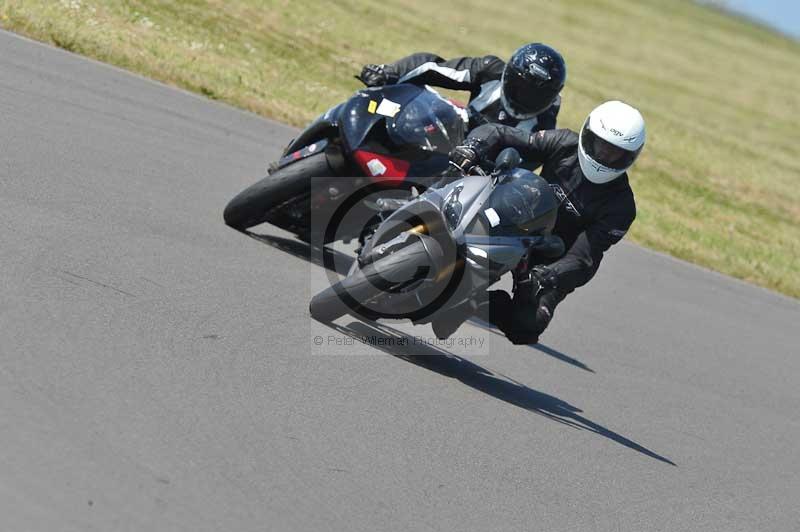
(381, 168)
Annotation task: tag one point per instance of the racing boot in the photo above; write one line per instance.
(518, 318)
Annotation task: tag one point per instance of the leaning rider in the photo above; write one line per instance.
(588, 173)
(524, 92)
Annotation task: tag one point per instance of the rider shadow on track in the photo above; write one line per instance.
(558, 355)
(432, 358)
(306, 252)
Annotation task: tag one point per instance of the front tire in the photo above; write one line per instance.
(252, 206)
(359, 287)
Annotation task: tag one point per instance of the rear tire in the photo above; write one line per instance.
(362, 285)
(252, 206)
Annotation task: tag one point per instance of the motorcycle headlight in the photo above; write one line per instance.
(453, 208)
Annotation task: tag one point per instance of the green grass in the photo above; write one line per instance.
(718, 183)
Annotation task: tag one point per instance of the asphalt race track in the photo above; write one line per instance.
(159, 371)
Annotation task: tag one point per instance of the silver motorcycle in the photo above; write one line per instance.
(436, 255)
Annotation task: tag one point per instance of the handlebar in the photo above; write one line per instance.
(508, 159)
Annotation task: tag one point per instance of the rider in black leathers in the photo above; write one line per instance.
(523, 92)
(595, 214)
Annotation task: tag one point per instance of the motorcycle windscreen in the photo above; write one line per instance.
(428, 122)
(371, 107)
(524, 204)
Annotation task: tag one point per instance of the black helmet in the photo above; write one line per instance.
(532, 79)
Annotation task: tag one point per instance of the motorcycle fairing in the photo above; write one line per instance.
(302, 153)
(323, 127)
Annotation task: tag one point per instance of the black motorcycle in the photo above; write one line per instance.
(388, 139)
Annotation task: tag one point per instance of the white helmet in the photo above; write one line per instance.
(610, 141)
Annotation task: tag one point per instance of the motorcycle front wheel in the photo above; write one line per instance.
(253, 205)
(352, 294)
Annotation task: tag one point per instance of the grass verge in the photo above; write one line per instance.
(717, 183)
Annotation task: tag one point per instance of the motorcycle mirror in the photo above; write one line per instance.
(508, 159)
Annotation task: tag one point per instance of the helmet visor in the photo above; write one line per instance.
(605, 153)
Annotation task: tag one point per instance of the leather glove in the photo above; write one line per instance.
(466, 156)
(377, 75)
